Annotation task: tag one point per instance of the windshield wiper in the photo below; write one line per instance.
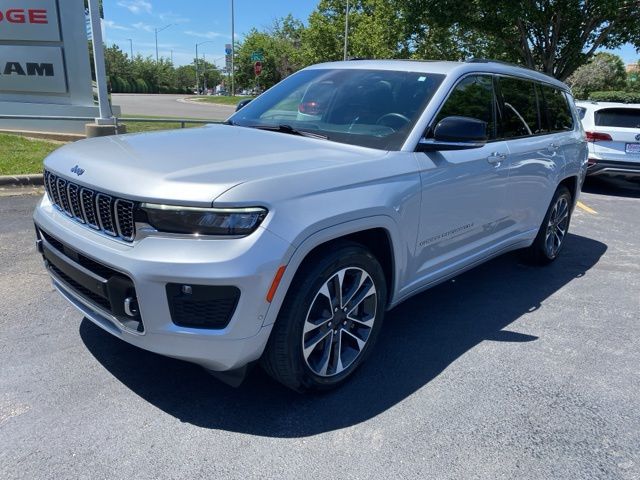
(284, 128)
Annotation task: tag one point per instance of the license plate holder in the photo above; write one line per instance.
(632, 148)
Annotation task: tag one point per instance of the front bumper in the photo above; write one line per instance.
(248, 263)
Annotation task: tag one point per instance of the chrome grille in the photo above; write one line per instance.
(87, 201)
(105, 214)
(110, 215)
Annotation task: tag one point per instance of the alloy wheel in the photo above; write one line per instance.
(557, 226)
(339, 321)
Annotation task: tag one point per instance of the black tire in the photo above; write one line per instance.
(284, 359)
(540, 252)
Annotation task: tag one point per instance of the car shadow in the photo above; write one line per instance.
(612, 186)
(419, 340)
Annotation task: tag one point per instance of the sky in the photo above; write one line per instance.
(192, 21)
(195, 21)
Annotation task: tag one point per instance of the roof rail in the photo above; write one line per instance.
(510, 64)
(491, 60)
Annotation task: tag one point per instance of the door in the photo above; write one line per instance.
(536, 149)
(463, 213)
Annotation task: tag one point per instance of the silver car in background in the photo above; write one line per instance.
(283, 235)
(613, 132)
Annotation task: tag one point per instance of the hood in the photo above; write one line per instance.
(194, 166)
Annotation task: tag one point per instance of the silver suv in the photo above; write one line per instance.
(284, 234)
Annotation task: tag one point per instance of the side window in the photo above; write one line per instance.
(472, 97)
(520, 108)
(557, 109)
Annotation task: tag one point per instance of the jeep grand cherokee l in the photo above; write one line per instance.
(283, 235)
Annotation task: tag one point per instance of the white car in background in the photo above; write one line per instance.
(613, 134)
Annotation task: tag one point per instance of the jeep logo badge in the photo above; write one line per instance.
(77, 170)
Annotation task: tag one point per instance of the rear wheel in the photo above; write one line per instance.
(553, 231)
(330, 320)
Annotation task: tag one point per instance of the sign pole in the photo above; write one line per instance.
(197, 77)
(106, 116)
(233, 51)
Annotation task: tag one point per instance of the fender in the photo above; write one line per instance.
(296, 255)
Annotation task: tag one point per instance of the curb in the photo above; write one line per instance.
(21, 180)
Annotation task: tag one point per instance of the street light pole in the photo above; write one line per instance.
(197, 68)
(233, 51)
(131, 47)
(197, 76)
(204, 73)
(159, 30)
(346, 30)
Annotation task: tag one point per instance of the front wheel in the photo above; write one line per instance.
(553, 231)
(330, 320)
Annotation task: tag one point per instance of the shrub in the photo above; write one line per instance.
(141, 86)
(615, 96)
(118, 85)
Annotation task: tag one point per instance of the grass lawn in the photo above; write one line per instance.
(137, 127)
(221, 99)
(20, 155)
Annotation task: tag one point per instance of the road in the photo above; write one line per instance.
(169, 106)
(509, 371)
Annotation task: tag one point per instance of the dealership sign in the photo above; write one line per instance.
(32, 69)
(37, 67)
(29, 20)
(44, 63)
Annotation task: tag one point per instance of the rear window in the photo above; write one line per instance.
(618, 117)
(558, 112)
(520, 112)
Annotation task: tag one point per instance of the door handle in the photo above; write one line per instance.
(553, 147)
(496, 158)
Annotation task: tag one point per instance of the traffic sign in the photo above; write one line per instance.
(227, 49)
(257, 68)
(257, 56)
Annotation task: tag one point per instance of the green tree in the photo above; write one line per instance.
(117, 63)
(633, 79)
(375, 31)
(604, 71)
(208, 73)
(279, 46)
(553, 36)
(185, 77)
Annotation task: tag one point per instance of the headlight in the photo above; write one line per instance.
(204, 221)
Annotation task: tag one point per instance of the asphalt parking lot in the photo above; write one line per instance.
(170, 106)
(509, 371)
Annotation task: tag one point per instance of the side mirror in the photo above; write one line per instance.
(456, 133)
(242, 103)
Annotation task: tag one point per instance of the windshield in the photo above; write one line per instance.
(370, 108)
